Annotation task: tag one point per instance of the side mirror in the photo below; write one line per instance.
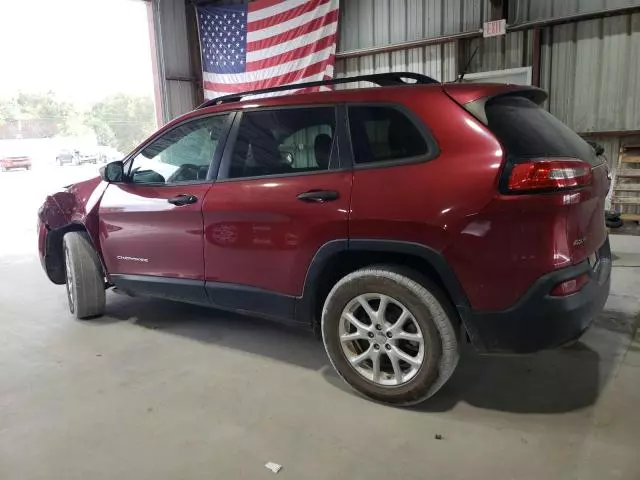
(112, 172)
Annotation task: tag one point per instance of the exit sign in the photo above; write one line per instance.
(494, 28)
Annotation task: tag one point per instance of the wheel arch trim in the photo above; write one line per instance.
(53, 261)
(304, 308)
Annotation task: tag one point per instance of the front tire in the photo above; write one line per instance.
(390, 335)
(84, 277)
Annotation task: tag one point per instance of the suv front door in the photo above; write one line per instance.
(151, 225)
(282, 192)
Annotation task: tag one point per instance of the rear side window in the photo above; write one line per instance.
(286, 141)
(527, 131)
(383, 134)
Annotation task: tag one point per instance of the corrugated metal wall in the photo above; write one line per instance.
(437, 61)
(528, 10)
(372, 23)
(511, 51)
(591, 70)
(173, 49)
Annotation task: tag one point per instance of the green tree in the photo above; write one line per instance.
(34, 115)
(6, 111)
(122, 121)
(45, 106)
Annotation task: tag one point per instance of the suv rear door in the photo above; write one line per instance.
(283, 191)
(390, 187)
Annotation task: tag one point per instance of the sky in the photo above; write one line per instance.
(83, 50)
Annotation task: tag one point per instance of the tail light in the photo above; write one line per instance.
(548, 174)
(570, 286)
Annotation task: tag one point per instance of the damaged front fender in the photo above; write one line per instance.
(75, 209)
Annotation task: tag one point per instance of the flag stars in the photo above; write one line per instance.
(223, 37)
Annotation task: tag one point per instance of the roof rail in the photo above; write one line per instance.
(382, 79)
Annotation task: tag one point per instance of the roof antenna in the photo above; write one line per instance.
(466, 67)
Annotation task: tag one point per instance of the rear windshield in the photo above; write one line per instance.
(527, 130)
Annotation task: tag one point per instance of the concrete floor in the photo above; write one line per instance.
(158, 390)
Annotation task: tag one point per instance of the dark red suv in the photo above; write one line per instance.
(395, 221)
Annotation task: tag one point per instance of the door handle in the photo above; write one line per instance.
(318, 196)
(183, 200)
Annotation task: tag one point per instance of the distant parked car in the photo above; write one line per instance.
(75, 157)
(86, 157)
(12, 162)
(65, 157)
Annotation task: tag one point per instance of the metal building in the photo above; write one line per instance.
(585, 53)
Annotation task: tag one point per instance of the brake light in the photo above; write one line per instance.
(549, 174)
(570, 286)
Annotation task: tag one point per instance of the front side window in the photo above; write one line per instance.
(181, 155)
(277, 142)
(383, 134)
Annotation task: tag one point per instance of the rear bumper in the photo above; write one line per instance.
(539, 321)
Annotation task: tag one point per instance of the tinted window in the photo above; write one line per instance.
(276, 142)
(181, 155)
(527, 130)
(381, 134)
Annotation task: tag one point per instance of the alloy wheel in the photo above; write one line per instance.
(381, 339)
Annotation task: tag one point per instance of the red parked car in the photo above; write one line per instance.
(12, 162)
(397, 222)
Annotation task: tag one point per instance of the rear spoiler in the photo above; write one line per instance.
(473, 97)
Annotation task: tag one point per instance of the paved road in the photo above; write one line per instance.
(157, 390)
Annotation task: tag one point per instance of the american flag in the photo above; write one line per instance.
(266, 43)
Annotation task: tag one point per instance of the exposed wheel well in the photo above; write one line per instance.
(54, 260)
(346, 262)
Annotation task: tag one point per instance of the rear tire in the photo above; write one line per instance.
(401, 378)
(85, 279)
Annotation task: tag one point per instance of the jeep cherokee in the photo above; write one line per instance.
(396, 221)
